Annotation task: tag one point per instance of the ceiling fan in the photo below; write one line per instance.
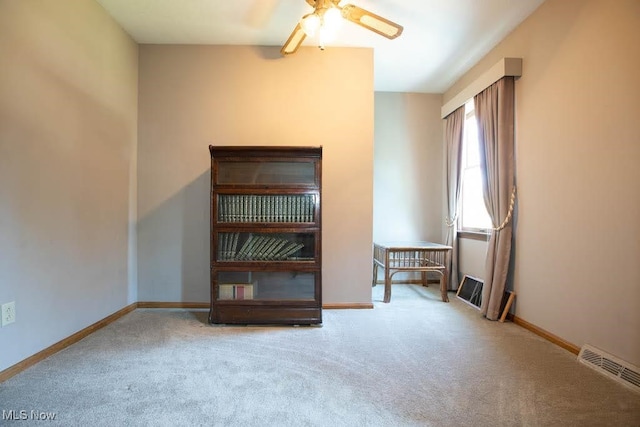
(327, 14)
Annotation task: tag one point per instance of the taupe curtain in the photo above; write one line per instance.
(495, 116)
(454, 125)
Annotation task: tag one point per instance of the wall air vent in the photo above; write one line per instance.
(614, 368)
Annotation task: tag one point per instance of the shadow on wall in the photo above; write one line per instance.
(173, 246)
(269, 52)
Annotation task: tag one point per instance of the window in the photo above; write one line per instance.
(473, 213)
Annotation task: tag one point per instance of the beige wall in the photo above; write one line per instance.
(471, 257)
(577, 133)
(193, 96)
(68, 124)
(407, 167)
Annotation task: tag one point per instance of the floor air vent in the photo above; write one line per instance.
(619, 370)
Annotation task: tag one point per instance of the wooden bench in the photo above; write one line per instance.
(422, 257)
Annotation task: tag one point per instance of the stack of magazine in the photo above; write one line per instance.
(256, 247)
(266, 208)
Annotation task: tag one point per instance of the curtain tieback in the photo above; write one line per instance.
(507, 219)
(451, 222)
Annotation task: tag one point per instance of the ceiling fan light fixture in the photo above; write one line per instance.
(332, 18)
(310, 23)
(325, 35)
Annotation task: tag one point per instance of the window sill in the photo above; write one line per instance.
(474, 235)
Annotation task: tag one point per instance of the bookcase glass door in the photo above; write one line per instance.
(263, 285)
(265, 246)
(266, 173)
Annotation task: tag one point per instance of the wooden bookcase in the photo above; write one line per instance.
(266, 235)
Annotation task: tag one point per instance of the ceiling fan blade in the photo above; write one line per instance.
(371, 21)
(294, 41)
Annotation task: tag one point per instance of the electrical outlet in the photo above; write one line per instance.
(8, 313)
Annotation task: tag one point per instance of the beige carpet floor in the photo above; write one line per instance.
(413, 362)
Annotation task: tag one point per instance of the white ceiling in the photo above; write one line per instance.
(441, 40)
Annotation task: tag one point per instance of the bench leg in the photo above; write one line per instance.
(375, 275)
(443, 288)
(387, 286)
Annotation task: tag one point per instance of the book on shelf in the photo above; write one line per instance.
(286, 210)
(275, 249)
(246, 208)
(252, 208)
(262, 253)
(225, 203)
(234, 245)
(263, 209)
(222, 245)
(311, 204)
(292, 250)
(255, 242)
(283, 212)
(245, 246)
(303, 208)
(275, 201)
(259, 248)
(269, 209)
(228, 245)
(298, 208)
(237, 291)
(287, 249)
(231, 204)
(221, 208)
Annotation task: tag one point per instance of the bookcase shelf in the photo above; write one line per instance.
(266, 235)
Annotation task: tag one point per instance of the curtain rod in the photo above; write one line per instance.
(504, 67)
